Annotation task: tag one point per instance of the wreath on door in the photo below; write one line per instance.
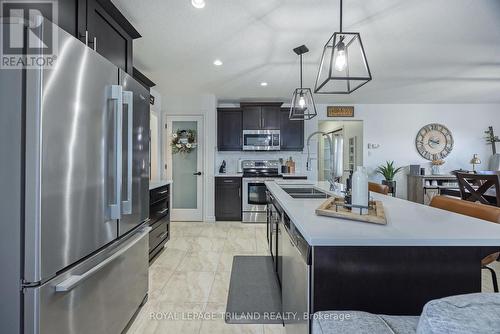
(183, 141)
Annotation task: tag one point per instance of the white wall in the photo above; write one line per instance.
(156, 126)
(394, 127)
(199, 105)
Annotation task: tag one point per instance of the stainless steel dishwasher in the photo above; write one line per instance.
(295, 279)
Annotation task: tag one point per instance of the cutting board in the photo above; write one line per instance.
(333, 207)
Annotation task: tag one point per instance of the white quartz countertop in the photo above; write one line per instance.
(153, 184)
(408, 223)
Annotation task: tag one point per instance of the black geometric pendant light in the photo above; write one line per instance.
(302, 105)
(343, 67)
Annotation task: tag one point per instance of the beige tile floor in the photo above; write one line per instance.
(191, 279)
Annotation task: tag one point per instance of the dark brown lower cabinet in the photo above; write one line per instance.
(159, 219)
(228, 198)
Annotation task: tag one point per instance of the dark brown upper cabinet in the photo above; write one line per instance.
(107, 31)
(252, 118)
(257, 116)
(100, 25)
(292, 132)
(261, 116)
(143, 80)
(229, 129)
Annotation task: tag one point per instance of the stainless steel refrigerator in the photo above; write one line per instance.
(74, 195)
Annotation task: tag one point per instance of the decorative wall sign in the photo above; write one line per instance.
(340, 111)
(183, 141)
(434, 142)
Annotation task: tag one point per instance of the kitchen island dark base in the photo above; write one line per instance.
(392, 280)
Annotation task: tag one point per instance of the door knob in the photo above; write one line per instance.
(198, 173)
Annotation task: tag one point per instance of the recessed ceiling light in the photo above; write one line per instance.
(198, 3)
(263, 84)
(218, 62)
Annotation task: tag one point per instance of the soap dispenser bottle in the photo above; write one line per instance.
(360, 192)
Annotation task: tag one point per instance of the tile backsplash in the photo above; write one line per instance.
(232, 158)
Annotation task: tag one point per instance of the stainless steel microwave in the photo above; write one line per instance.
(261, 140)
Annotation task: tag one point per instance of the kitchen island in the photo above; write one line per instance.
(421, 254)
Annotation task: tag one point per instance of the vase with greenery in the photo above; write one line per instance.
(388, 171)
(492, 140)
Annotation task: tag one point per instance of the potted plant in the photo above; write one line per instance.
(492, 140)
(436, 166)
(388, 171)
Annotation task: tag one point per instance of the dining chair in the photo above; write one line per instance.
(483, 188)
(476, 210)
(378, 188)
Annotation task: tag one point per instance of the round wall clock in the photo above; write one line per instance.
(434, 142)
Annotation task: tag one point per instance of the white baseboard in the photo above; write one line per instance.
(210, 219)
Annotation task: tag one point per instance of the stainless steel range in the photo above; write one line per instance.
(255, 173)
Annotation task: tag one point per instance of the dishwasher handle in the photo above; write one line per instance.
(74, 280)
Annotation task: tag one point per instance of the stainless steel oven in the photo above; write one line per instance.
(261, 140)
(255, 174)
(254, 200)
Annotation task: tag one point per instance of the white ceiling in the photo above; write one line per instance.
(419, 51)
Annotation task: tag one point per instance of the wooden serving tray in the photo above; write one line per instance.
(375, 215)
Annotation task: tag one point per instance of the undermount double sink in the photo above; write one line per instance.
(299, 192)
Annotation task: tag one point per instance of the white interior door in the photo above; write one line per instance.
(186, 170)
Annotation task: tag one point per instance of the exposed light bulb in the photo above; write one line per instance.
(263, 84)
(340, 61)
(218, 62)
(302, 102)
(198, 3)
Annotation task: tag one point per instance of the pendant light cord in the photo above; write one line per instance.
(340, 15)
(301, 71)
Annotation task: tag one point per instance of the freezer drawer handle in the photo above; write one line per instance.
(74, 280)
(128, 100)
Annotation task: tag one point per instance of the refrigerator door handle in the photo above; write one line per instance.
(115, 94)
(128, 100)
(74, 280)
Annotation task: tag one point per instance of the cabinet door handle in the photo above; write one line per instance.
(162, 192)
(163, 235)
(228, 181)
(239, 192)
(94, 41)
(162, 211)
(85, 37)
